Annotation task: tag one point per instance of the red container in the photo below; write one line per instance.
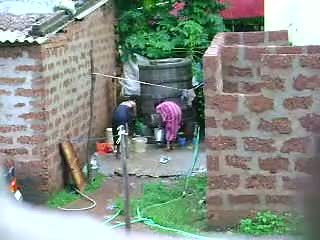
(104, 148)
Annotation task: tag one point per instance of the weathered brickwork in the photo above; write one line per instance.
(241, 63)
(261, 106)
(45, 92)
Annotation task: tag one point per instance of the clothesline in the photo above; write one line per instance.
(137, 81)
(146, 83)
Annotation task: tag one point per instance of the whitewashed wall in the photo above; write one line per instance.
(300, 18)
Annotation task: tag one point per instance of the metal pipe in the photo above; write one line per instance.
(92, 87)
(74, 164)
(124, 155)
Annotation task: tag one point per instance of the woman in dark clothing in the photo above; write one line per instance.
(122, 115)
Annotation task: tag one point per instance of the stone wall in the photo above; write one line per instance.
(44, 92)
(258, 141)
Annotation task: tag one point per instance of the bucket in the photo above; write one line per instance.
(94, 166)
(182, 141)
(139, 144)
(159, 134)
(109, 135)
(104, 148)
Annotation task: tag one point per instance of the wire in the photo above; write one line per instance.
(146, 83)
(93, 205)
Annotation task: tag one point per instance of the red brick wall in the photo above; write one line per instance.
(241, 67)
(258, 144)
(45, 98)
(21, 84)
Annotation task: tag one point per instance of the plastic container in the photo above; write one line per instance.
(139, 144)
(109, 135)
(159, 134)
(104, 148)
(182, 141)
(94, 165)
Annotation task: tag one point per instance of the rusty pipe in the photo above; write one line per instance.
(74, 164)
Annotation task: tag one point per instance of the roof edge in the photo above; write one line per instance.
(91, 9)
(41, 31)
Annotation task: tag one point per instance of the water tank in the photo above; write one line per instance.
(172, 72)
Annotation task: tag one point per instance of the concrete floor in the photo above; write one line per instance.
(147, 163)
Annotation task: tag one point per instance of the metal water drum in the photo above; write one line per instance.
(171, 72)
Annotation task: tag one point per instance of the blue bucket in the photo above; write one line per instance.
(182, 141)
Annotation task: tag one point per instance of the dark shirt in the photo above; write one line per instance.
(123, 115)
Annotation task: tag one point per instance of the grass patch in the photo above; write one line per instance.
(187, 213)
(67, 196)
(268, 223)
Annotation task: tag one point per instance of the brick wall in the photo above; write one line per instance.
(258, 141)
(241, 66)
(44, 94)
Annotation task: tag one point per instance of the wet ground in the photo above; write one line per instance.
(106, 196)
(142, 167)
(145, 167)
(112, 189)
(148, 163)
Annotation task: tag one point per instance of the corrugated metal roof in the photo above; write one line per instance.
(91, 9)
(20, 23)
(18, 37)
(16, 28)
(17, 18)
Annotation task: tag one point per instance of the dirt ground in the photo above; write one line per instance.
(142, 167)
(112, 189)
(145, 167)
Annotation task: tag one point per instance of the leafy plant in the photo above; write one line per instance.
(200, 109)
(138, 127)
(199, 101)
(266, 223)
(173, 29)
(65, 197)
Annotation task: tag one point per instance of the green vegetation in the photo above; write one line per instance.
(245, 25)
(176, 28)
(268, 223)
(184, 211)
(138, 127)
(169, 205)
(171, 29)
(65, 197)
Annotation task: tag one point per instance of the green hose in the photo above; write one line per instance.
(151, 223)
(139, 217)
(112, 217)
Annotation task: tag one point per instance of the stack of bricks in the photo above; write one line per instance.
(261, 109)
(45, 98)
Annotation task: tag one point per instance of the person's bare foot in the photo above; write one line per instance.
(169, 146)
